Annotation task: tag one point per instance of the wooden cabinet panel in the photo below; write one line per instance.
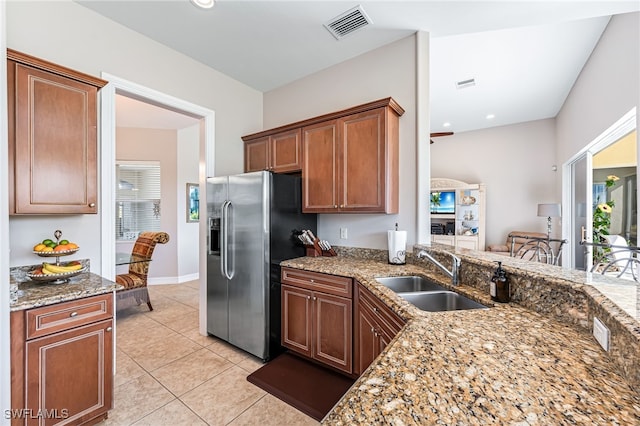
(66, 315)
(297, 319)
(286, 152)
(333, 328)
(256, 155)
(316, 324)
(279, 153)
(362, 162)
(53, 138)
(54, 382)
(376, 326)
(315, 281)
(320, 168)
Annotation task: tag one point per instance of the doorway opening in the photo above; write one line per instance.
(206, 145)
(602, 174)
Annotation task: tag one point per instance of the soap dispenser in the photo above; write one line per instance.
(500, 286)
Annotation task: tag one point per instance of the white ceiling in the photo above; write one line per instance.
(524, 55)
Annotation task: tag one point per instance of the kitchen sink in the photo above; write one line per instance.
(437, 301)
(410, 284)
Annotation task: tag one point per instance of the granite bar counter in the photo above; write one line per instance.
(504, 365)
(31, 294)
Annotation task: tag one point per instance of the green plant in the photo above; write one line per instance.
(435, 198)
(602, 223)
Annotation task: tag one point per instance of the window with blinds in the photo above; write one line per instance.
(137, 198)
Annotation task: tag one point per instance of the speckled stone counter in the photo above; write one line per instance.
(503, 365)
(32, 294)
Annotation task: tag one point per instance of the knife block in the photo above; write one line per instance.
(312, 252)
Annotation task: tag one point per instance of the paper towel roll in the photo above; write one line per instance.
(397, 243)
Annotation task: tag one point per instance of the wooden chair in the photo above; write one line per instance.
(135, 282)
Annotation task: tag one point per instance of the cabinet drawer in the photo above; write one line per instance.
(315, 281)
(388, 320)
(64, 316)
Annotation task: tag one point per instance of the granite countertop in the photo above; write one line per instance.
(503, 365)
(31, 294)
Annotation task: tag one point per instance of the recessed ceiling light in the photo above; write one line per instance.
(447, 124)
(491, 116)
(203, 4)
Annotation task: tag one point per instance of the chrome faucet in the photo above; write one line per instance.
(455, 264)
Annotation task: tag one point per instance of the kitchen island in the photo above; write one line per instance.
(504, 365)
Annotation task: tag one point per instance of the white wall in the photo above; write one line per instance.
(69, 34)
(187, 172)
(387, 71)
(514, 162)
(607, 88)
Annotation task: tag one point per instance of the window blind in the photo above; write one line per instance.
(137, 199)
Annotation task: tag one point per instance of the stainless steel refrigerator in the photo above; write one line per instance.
(253, 219)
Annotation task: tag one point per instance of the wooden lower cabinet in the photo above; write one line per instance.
(317, 324)
(64, 376)
(375, 326)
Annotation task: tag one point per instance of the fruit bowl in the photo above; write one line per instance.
(59, 277)
(56, 253)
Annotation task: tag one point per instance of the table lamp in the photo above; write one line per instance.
(549, 210)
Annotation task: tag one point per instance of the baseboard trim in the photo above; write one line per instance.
(173, 280)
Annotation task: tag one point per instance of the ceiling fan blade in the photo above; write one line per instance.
(431, 140)
(438, 134)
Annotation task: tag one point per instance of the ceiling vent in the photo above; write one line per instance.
(465, 83)
(347, 23)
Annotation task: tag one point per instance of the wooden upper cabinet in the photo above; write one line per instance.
(279, 153)
(52, 137)
(353, 166)
(320, 167)
(349, 159)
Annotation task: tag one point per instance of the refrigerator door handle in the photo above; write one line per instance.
(229, 260)
(223, 239)
(224, 225)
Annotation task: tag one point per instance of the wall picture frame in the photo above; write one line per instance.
(193, 202)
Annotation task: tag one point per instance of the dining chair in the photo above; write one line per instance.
(135, 282)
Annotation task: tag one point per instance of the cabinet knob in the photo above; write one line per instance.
(373, 330)
(73, 314)
(92, 204)
(341, 205)
(335, 206)
(308, 297)
(314, 298)
(312, 280)
(109, 328)
(375, 309)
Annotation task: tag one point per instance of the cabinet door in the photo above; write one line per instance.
(286, 152)
(468, 242)
(362, 162)
(69, 374)
(296, 319)
(333, 331)
(443, 239)
(55, 143)
(256, 155)
(367, 344)
(319, 168)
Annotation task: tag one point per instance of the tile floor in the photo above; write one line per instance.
(168, 374)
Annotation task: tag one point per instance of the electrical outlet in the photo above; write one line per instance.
(601, 333)
(343, 233)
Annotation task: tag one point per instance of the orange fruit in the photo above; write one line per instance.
(72, 246)
(61, 247)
